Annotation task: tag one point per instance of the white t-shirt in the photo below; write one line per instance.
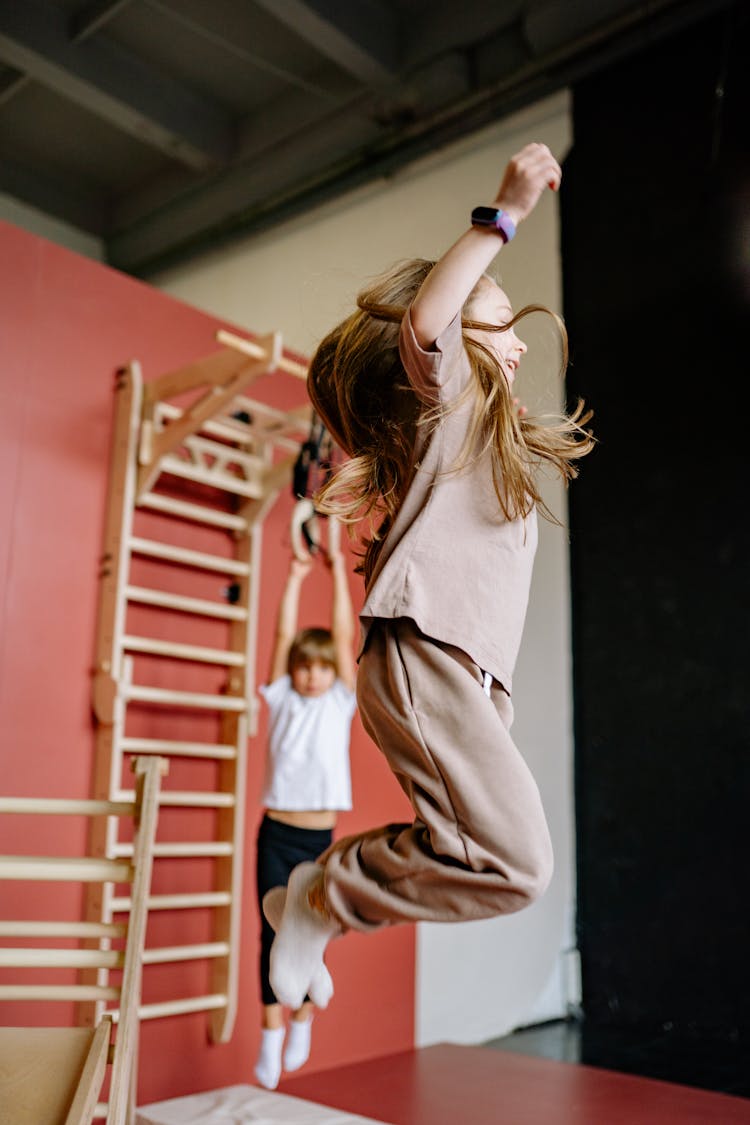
(308, 747)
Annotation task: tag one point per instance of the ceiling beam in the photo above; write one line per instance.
(226, 201)
(260, 134)
(291, 134)
(93, 17)
(361, 38)
(12, 81)
(114, 84)
(72, 202)
(253, 196)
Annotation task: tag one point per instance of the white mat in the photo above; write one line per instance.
(244, 1105)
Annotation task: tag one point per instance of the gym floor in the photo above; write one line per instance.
(448, 1084)
(723, 1066)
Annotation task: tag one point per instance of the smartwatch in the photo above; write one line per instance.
(493, 218)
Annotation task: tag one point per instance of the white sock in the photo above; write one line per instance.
(297, 1050)
(321, 985)
(297, 967)
(273, 906)
(268, 1066)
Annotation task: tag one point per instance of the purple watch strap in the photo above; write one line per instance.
(504, 226)
(494, 218)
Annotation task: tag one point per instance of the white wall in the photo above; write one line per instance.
(55, 230)
(475, 980)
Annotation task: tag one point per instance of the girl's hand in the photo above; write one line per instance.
(334, 557)
(528, 173)
(521, 410)
(300, 568)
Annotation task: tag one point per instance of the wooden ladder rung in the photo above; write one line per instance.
(280, 419)
(277, 426)
(76, 992)
(58, 869)
(192, 799)
(25, 958)
(182, 1007)
(225, 454)
(165, 600)
(218, 751)
(167, 954)
(199, 559)
(197, 513)
(198, 901)
(62, 806)
(249, 347)
(142, 694)
(224, 482)
(219, 425)
(199, 653)
(29, 928)
(286, 431)
(207, 848)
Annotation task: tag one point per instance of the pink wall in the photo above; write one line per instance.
(66, 324)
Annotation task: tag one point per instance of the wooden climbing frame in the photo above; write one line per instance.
(55, 1074)
(190, 453)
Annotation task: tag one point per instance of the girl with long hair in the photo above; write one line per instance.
(416, 386)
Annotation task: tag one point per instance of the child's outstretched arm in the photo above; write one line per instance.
(342, 620)
(447, 287)
(286, 618)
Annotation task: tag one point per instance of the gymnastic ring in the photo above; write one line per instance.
(304, 530)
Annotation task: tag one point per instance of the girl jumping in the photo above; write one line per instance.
(417, 387)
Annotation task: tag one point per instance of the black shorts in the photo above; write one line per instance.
(280, 848)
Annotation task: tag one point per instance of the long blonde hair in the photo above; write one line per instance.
(358, 386)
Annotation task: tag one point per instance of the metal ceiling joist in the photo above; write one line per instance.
(249, 197)
(11, 83)
(71, 202)
(293, 117)
(361, 38)
(227, 201)
(113, 84)
(94, 16)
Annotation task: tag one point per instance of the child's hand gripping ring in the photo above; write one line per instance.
(306, 531)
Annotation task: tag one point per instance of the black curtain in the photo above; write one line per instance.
(656, 251)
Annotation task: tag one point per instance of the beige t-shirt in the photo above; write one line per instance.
(451, 561)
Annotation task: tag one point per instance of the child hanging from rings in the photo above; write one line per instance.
(417, 387)
(311, 702)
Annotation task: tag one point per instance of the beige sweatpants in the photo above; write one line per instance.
(479, 845)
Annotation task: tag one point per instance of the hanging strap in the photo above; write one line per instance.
(314, 461)
(312, 470)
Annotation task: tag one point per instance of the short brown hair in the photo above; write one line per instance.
(309, 645)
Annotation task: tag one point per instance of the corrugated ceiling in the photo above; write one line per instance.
(165, 127)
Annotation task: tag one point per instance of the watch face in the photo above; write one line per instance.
(484, 216)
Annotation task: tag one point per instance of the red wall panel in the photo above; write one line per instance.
(66, 324)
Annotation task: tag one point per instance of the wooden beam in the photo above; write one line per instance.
(114, 84)
(93, 17)
(225, 375)
(57, 194)
(361, 38)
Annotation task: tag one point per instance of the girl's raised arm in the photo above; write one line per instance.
(286, 617)
(342, 620)
(447, 287)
